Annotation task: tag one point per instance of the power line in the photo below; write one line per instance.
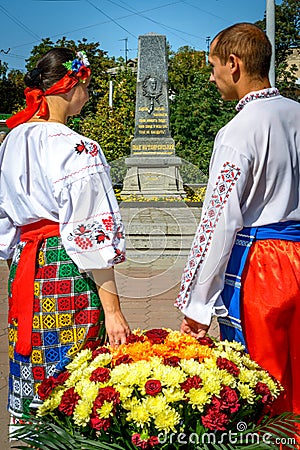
(203, 10)
(111, 18)
(19, 23)
(138, 13)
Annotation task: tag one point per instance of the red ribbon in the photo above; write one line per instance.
(21, 309)
(36, 98)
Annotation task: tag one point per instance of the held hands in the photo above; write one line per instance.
(193, 328)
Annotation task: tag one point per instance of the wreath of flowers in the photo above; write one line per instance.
(80, 61)
(159, 382)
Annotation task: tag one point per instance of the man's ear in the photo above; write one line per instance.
(234, 63)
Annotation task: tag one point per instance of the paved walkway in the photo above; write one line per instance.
(148, 283)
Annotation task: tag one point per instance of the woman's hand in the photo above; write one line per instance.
(116, 325)
(117, 328)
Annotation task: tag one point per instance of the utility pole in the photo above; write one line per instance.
(270, 28)
(125, 49)
(207, 46)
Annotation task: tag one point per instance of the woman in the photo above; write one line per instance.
(60, 223)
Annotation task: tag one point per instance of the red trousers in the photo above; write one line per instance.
(271, 315)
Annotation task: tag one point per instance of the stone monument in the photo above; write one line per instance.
(152, 168)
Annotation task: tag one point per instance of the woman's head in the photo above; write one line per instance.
(56, 73)
(49, 69)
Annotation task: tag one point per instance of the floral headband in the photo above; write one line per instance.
(78, 71)
(77, 63)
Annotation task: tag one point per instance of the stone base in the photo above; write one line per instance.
(153, 177)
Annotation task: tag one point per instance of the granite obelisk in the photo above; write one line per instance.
(152, 168)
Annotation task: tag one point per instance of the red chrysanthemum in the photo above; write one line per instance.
(171, 361)
(69, 401)
(100, 424)
(206, 341)
(125, 359)
(100, 351)
(190, 383)
(144, 444)
(263, 390)
(215, 419)
(109, 394)
(156, 335)
(229, 399)
(46, 387)
(62, 377)
(231, 367)
(132, 338)
(101, 374)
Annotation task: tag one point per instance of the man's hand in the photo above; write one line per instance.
(193, 328)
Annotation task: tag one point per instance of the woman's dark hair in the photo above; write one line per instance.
(49, 68)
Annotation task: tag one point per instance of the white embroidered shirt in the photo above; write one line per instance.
(50, 172)
(254, 180)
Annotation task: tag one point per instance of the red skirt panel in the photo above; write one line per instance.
(270, 310)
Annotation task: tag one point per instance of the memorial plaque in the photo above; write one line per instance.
(153, 168)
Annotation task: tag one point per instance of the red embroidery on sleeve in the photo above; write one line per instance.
(225, 182)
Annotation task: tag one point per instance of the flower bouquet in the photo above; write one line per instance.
(160, 390)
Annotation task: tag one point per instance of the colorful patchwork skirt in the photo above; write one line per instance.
(67, 317)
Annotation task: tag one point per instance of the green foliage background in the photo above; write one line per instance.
(196, 110)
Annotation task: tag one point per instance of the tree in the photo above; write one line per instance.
(287, 38)
(11, 89)
(196, 110)
(113, 127)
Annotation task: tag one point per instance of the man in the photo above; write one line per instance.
(244, 264)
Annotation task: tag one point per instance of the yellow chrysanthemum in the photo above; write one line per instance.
(228, 379)
(167, 419)
(199, 398)
(101, 360)
(124, 391)
(106, 410)
(274, 387)
(246, 392)
(51, 403)
(76, 375)
(139, 415)
(190, 367)
(173, 395)
(155, 405)
(168, 375)
(87, 389)
(248, 376)
(134, 374)
(82, 412)
(80, 359)
(212, 385)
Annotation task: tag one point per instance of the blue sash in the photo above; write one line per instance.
(230, 326)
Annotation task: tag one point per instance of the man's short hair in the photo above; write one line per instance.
(249, 43)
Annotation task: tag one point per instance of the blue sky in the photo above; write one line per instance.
(184, 22)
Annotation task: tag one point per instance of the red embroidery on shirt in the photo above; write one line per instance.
(87, 147)
(225, 182)
(88, 235)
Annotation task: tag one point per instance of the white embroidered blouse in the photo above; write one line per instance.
(254, 180)
(50, 172)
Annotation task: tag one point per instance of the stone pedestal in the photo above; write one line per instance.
(152, 168)
(153, 177)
